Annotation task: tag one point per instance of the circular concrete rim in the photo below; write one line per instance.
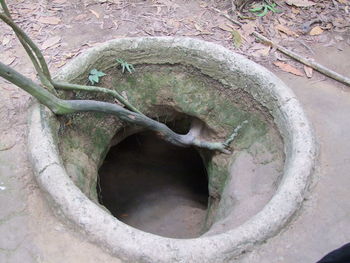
(132, 245)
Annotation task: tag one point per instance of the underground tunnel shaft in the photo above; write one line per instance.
(155, 186)
(204, 81)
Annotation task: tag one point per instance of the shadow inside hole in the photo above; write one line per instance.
(154, 186)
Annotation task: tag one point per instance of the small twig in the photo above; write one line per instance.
(114, 93)
(228, 17)
(312, 64)
(308, 62)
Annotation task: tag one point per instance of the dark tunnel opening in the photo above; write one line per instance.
(155, 186)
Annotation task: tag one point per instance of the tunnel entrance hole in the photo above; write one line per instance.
(155, 186)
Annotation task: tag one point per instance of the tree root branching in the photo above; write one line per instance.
(46, 94)
(60, 107)
(114, 93)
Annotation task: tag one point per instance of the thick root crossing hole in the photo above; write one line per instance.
(155, 187)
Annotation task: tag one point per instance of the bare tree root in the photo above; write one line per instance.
(114, 93)
(47, 95)
(61, 107)
(312, 64)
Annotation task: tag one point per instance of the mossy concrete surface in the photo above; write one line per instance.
(163, 92)
(236, 77)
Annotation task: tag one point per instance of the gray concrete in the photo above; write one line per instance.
(229, 68)
(322, 224)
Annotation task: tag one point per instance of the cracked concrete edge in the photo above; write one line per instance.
(132, 245)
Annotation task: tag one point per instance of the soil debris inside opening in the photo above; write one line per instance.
(154, 186)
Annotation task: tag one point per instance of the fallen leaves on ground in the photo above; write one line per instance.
(9, 60)
(59, 1)
(259, 50)
(52, 20)
(248, 28)
(315, 31)
(308, 71)
(51, 42)
(95, 13)
(225, 27)
(300, 3)
(237, 38)
(80, 17)
(61, 63)
(286, 30)
(202, 30)
(6, 40)
(288, 68)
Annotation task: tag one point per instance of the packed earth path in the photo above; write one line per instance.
(32, 232)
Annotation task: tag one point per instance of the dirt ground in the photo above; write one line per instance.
(63, 29)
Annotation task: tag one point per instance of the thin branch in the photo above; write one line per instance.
(114, 93)
(316, 66)
(5, 8)
(312, 64)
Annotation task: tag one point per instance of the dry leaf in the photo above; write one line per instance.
(59, 1)
(225, 27)
(60, 64)
(295, 11)
(173, 23)
(286, 30)
(203, 4)
(340, 22)
(198, 27)
(9, 60)
(237, 38)
(80, 17)
(339, 38)
(300, 3)
(317, 30)
(6, 40)
(116, 25)
(248, 28)
(202, 30)
(258, 50)
(51, 42)
(192, 34)
(308, 71)
(52, 20)
(95, 13)
(288, 68)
